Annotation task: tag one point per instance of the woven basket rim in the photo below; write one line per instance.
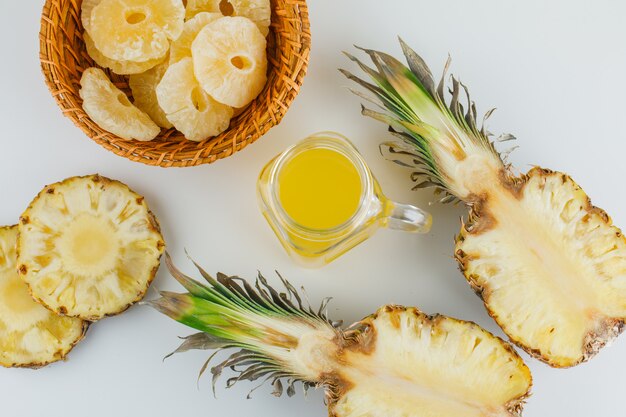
(63, 59)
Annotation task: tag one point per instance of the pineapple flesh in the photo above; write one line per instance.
(111, 109)
(259, 11)
(144, 87)
(549, 266)
(230, 61)
(136, 30)
(398, 362)
(88, 247)
(190, 109)
(30, 335)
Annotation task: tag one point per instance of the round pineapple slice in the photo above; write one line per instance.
(259, 11)
(191, 110)
(181, 47)
(118, 67)
(143, 87)
(89, 247)
(86, 9)
(109, 107)
(230, 60)
(30, 335)
(136, 30)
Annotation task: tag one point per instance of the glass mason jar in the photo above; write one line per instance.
(317, 247)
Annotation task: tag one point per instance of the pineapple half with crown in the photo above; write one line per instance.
(88, 247)
(30, 335)
(111, 109)
(259, 11)
(190, 109)
(397, 362)
(136, 30)
(550, 267)
(230, 61)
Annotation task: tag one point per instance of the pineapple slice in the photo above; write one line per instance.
(259, 11)
(181, 47)
(30, 335)
(550, 267)
(230, 60)
(118, 67)
(88, 247)
(192, 111)
(398, 362)
(144, 87)
(109, 107)
(136, 30)
(86, 9)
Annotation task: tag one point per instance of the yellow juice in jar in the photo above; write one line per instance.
(320, 189)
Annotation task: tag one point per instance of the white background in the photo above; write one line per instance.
(555, 70)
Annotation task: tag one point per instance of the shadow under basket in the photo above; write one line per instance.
(64, 58)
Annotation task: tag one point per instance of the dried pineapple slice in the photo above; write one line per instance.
(191, 110)
(30, 335)
(118, 67)
(230, 61)
(86, 9)
(143, 87)
(136, 30)
(259, 11)
(88, 247)
(109, 107)
(181, 47)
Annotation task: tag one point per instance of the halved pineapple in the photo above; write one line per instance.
(191, 110)
(181, 47)
(118, 67)
(230, 60)
(110, 109)
(259, 11)
(136, 30)
(397, 363)
(88, 247)
(86, 9)
(30, 335)
(144, 87)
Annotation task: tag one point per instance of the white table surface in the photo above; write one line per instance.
(555, 70)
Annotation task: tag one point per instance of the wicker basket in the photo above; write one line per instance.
(63, 59)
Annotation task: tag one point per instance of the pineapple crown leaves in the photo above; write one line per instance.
(233, 314)
(416, 110)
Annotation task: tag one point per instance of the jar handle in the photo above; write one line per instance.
(407, 218)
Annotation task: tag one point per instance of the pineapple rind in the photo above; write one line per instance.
(561, 316)
(30, 335)
(118, 67)
(431, 366)
(92, 273)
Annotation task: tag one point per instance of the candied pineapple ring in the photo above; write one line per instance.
(230, 60)
(259, 11)
(192, 111)
(118, 67)
(143, 87)
(89, 247)
(30, 335)
(136, 30)
(181, 47)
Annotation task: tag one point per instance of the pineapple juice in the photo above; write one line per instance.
(320, 189)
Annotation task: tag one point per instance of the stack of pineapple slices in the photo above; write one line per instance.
(85, 248)
(189, 67)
